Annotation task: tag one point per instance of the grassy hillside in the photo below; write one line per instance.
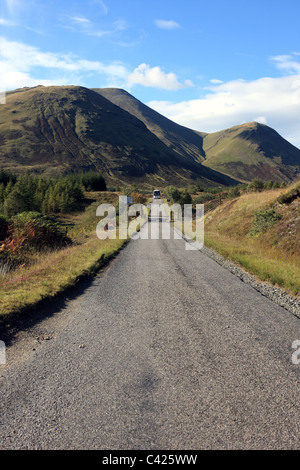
(244, 152)
(182, 140)
(261, 232)
(57, 130)
(251, 151)
(54, 130)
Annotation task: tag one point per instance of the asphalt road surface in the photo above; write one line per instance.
(165, 350)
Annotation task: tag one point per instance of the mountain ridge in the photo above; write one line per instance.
(54, 130)
(240, 151)
(191, 144)
(50, 130)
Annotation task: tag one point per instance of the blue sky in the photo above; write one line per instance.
(206, 65)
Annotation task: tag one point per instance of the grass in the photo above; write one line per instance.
(272, 253)
(53, 272)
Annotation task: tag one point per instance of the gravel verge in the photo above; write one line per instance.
(276, 294)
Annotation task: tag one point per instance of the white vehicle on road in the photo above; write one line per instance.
(156, 194)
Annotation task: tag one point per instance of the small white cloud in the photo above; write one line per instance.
(260, 119)
(215, 81)
(167, 24)
(80, 20)
(4, 22)
(86, 26)
(288, 63)
(156, 77)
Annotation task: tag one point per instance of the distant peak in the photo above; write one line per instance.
(119, 91)
(252, 124)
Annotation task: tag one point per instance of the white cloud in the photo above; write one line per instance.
(80, 20)
(261, 119)
(8, 23)
(272, 100)
(23, 65)
(86, 26)
(4, 22)
(156, 77)
(13, 79)
(167, 24)
(215, 81)
(287, 63)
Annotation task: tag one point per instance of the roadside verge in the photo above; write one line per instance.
(53, 276)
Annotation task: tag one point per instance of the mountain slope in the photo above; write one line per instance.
(252, 150)
(55, 130)
(243, 152)
(182, 140)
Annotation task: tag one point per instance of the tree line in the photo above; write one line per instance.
(46, 195)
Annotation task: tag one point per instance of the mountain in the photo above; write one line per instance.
(55, 130)
(244, 152)
(184, 141)
(250, 151)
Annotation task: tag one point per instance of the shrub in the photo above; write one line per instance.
(176, 196)
(290, 196)
(32, 230)
(185, 198)
(234, 192)
(214, 189)
(205, 197)
(263, 220)
(256, 185)
(172, 193)
(138, 198)
(92, 181)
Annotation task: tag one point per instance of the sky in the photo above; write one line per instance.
(205, 65)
